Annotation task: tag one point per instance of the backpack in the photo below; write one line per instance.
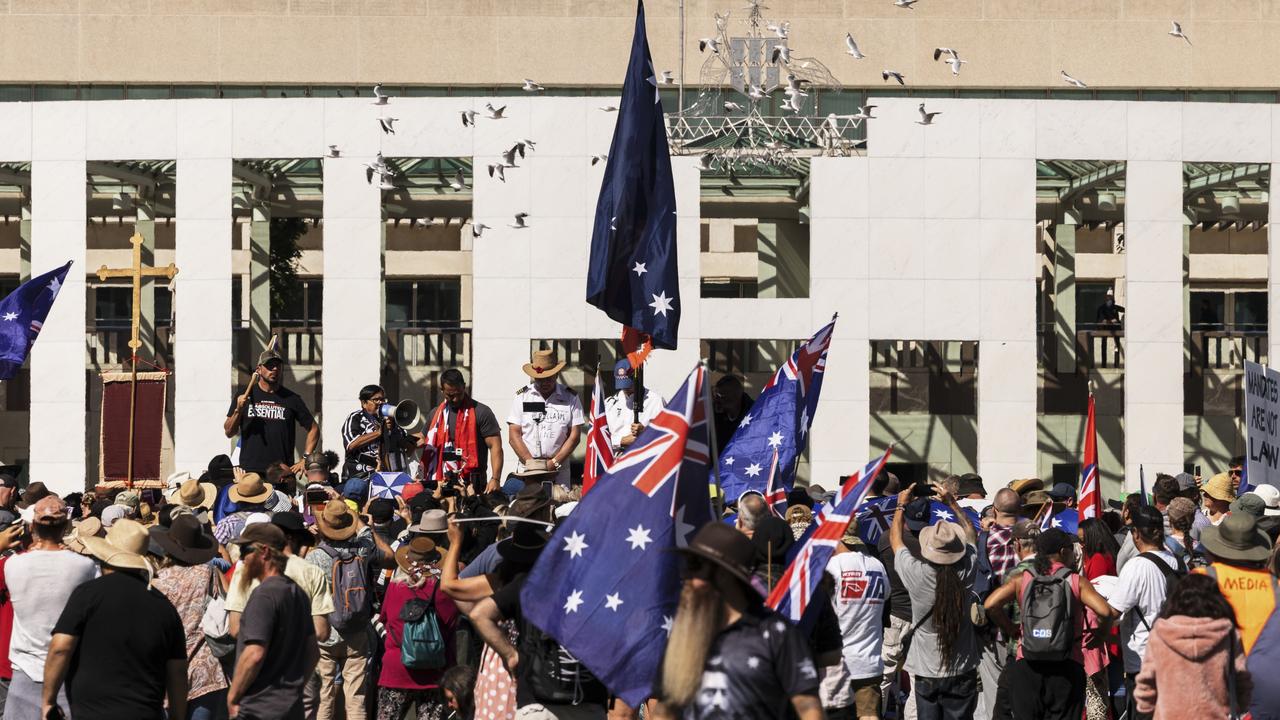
(1047, 611)
(352, 602)
(422, 644)
(1172, 576)
(553, 675)
(215, 624)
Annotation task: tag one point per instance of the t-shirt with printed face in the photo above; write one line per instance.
(861, 588)
(267, 427)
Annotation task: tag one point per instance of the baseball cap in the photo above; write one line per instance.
(1146, 516)
(268, 355)
(917, 514)
(1186, 481)
(622, 374)
(264, 533)
(1062, 491)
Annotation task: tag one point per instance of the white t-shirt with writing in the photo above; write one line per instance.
(1138, 595)
(862, 587)
(39, 583)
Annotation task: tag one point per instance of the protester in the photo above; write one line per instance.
(1195, 663)
(859, 603)
(772, 539)
(463, 437)
(1163, 491)
(619, 408)
(1128, 549)
(251, 495)
(414, 600)
(730, 403)
(188, 581)
(1100, 548)
(728, 655)
(799, 518)
(942, 656)
(276, 645)
(1180, 519)
(119, 645)
(893, 650)
(1238, 552)
(1047, 680)
(458, 685)
(8, 498)
(1263, 663)
(546, 419)
(313, 581)
(38, 582)
(1218, 494)
(363, 433)
(996, 557)
(265, 417)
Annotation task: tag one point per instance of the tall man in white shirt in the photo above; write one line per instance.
(861, 590)
(619, 409)
(546, 419)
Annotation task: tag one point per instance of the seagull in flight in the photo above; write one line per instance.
(379, 97)
(939, 52)
(599, 159)
(1177, 31)
(1072, 81)
(468, 117)
(755, 92)
(895, 75)
(713, 43)
(531, 86)
(781, 52)
(954, 61)
(500, 169)
(387, 124)
(509, 157)
(864, 113)
(666, 78)
(905, 4)
(334, 151)
(852, 44)
(609, 108)
(782, 30)
(795, 86)
(459, 181)
(495, 113)
(730, 106)
(519, 223)
(705, 161)
(379, 166)
(926, 118)
(477, 229)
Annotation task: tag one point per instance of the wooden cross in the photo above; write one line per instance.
(136, 273)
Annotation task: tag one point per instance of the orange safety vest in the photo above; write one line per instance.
(1253, 594)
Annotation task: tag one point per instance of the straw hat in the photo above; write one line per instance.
(1219, 487)
(942, 544)
(420, 549)
(89, 527)
(124, 547)
(251, 489)
(193, 493)
(542, 364)
(337, 521)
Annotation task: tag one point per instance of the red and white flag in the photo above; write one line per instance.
(1090, 499)
(599, 442)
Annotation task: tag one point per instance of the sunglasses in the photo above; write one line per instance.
(273, 365)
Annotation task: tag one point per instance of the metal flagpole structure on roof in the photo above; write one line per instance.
(680, 107)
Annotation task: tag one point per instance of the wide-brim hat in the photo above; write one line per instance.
(1024, 485)
(418, 550)
(125, 546)
(337, 521)
(1270, 497)
(34, 493)
(251, 489)
(535, 468)
(542, 364)
(1219, 487)
(725, 547)
(1237, 538)
(525, 544)
(194, 494)
(89, 527)
(432, 521)
(185, 541)
(942, 543)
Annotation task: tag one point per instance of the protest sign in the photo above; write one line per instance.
(1262, 423)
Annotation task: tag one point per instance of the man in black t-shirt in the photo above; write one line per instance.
(265, 419)
(276, 646)
(119, 644)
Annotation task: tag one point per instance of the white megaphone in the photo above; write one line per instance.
(404, 413)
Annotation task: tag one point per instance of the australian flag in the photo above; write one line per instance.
(873, 518)
(606, 586)
(633, 276)
(22, 314)
(779, 420)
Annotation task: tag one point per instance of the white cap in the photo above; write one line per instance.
(1270, 495)
(255, 518)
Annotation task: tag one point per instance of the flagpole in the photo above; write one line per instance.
(680, 109)
(711, 434)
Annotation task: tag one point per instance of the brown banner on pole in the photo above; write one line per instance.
(148, 427)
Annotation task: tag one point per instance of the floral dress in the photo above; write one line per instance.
(186, 588)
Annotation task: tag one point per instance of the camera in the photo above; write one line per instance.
(451, 453)
(923, 490)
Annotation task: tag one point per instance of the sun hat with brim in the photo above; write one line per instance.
(146, 516)
(1036, 497)
(1219, 487)
(418, 550)
(1249, 503)
(1270, 495)
(125, 546)
(337, 521)
(535, 468)
(175, 480)
(89, 527)
(1023, 486)
(185, 541)
(542, 364)
(432, 521)
(942, 544)
(725, 547)
(193, 493)
(1236, 538)
(34, 493)
(525, 544)
(129, 499)
(251, 489)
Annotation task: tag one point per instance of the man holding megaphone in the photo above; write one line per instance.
(364, 430)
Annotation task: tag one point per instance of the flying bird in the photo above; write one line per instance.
(385, 181)
(531, 86)
(795, 85)
(609, 108)
(782, 30)
(378, 166)
(755, 92)
(1177, 31)
(705, 161)
(599, 159)
(334, 151)
(792, 103)
(730, 106)
(864, 113)
(499, 169)
(852, 44)
(666, 78)
(713, 43)
(905, 4)
(477, 229)
(468, 117)
(459, 181)
(926, 118)
(781, 52)
(895, 75)
(379, 97)
(519, 223)
(509, 157)
(939, 52)
(1072, 81)
(387, 124)
(495, 113)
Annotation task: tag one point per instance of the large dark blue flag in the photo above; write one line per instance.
(22, 314)
(632, 276)
(779, 420)
(606, 586)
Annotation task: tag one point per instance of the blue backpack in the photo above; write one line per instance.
(422, 644)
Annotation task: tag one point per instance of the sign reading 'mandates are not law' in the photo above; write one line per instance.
(1262, 423)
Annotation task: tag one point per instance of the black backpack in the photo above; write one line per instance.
(1172, 576)
(1048, 608)
(552, 674)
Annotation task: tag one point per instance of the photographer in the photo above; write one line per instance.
(463, 440)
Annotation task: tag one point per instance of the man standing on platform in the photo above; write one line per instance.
(265, 418)
(546, 419)
(464, 436)
(620, 408)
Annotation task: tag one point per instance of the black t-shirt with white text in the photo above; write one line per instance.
(267, 433)
(126, 635)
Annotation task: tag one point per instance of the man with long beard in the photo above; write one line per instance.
(277, 648)
(728, 655)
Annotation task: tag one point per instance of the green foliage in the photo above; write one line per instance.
(286, 289)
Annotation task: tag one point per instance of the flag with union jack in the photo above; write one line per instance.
(599, 443)
(775, 496)
(778, 421)
(1090, 493)
(791, 596)
(606, 585)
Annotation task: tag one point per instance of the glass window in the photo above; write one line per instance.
(1251, 311)
(1207, 310)
(16, 93)
(303, 310)
(164, 306)
(426, 302)
(399, 304)
(111, 307)
(148, 92)
(1255, 96)
(195, 91)
(57, 92)
(729, 288)
(237, 308)
(103, 92)
(1090, 296)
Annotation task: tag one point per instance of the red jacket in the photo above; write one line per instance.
(1184, 673)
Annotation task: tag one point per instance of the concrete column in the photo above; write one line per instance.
(783, 259)
(145, 225)
(1154, 345)
(1273, 280)
(24, 238)
(203, 366)
(259, 279)
(58, 374)
(1064, 291)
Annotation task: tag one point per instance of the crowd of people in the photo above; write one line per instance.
(266, 587)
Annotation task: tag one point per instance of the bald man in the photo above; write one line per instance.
(751, 509)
